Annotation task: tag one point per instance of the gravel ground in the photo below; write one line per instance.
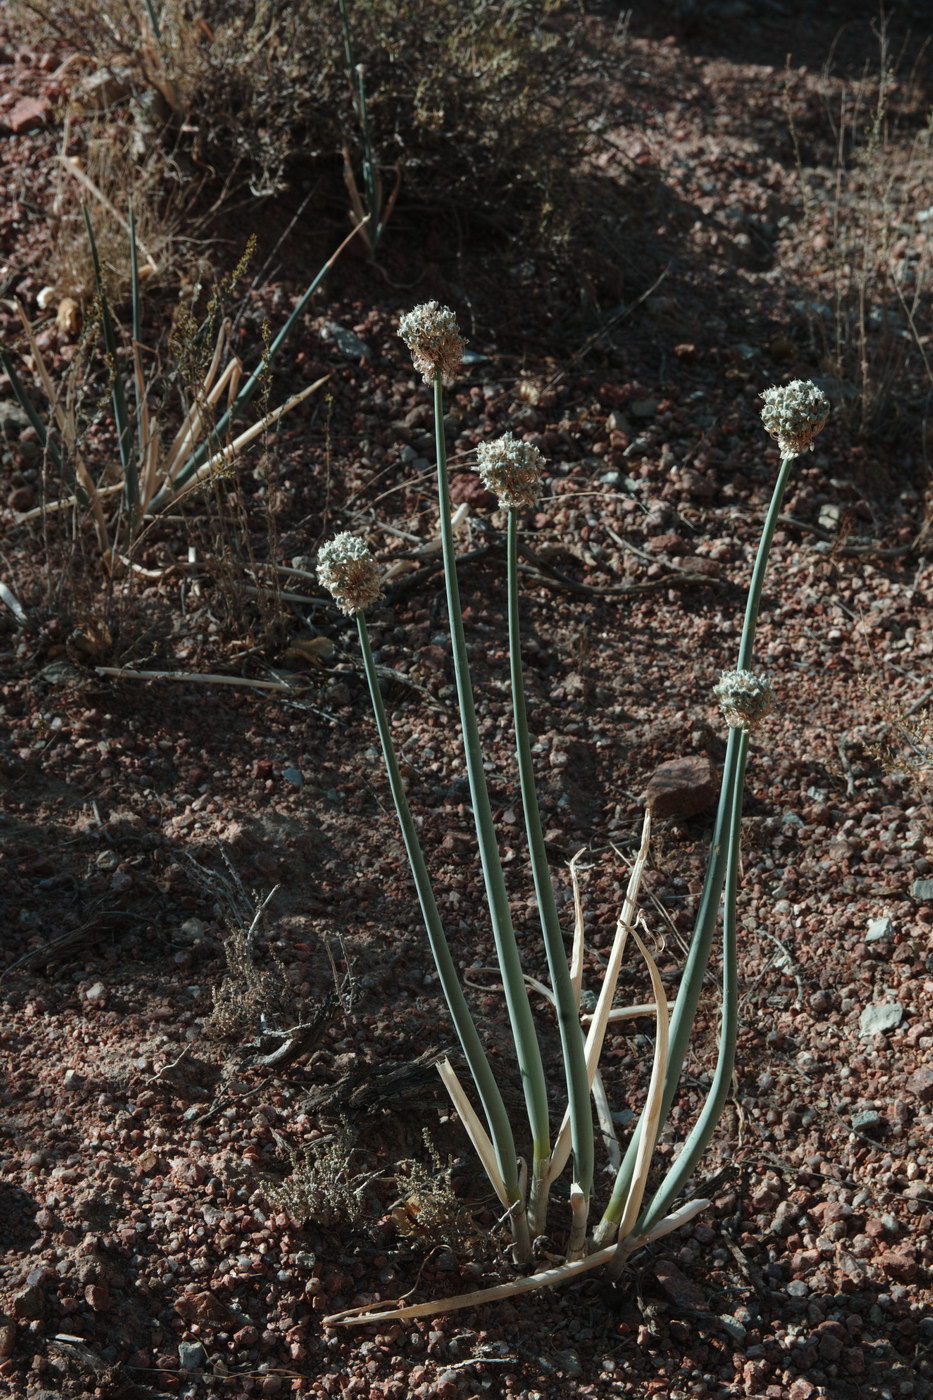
(178, 1213)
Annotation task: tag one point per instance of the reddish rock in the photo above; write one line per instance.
(920, 1084)
(900, 1267)
(7, 1338)
(681, 788)
(853, 1360)
(754, 1375)
(466, 486)
(700, 564)
(28, 114)
(202, 1307)
(667, 544)
(681, 1290)
(97, 1297)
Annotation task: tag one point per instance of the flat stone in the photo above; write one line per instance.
(682, 787)
(882, 1016)
(920, 1084)
(29, 1304)
(680, 1289)
(922, 890)
(28, 114)
(191, 1356)
(879, 929)
(202, 1307)
(869, 1121)
(347, 342)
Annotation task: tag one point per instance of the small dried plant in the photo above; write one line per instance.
(322, 1186)
(249, 996)
(156, 465)
(867, 249)
(428, 1208)
(640, 1207)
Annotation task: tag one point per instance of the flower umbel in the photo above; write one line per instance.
(512, 469)
(794, 415)
(349, 572)
(744, 698)
(433, 337)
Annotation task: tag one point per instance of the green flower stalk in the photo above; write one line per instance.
(512, 469)
(794, 416)
(433, 336)
(347, 569)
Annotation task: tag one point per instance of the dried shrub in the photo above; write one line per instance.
(863, 241)
(428, 1208)
(471, 98)
(322, 1186)
(248, 993)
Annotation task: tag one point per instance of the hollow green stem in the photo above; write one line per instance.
(747, 644)
(490, 1096)
(703, 1129)
(688, 996)
(568, 1021)
(527, 1050)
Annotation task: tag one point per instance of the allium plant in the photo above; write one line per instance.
(632, 1217)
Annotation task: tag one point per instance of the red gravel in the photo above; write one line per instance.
(143, 1251)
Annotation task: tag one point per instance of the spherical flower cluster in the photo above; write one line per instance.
(512, 469)
(794, 415)
(349, 572)
(433, 337)
(744, 698)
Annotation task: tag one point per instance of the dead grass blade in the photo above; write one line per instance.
(547, 1278)
(477, 1134)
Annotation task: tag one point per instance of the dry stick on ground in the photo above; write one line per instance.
(858, 551)
(546, 574)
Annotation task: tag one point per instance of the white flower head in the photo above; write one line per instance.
(348, 571)
(433, 337)
(794, 414)
(744, 698)
(512, 469)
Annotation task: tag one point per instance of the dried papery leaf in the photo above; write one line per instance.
(474, 1129)
(127, 673)
(576, 957)
(652, 1114)
(66, 426)
(546, 1278)
(9, 597)
(607, 1126)
(597, 1031)
(196, 423)
(226, 457)
(148, 438)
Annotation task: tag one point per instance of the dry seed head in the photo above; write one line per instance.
(744, 698)
(433, 337)
(512, 469)
(349, 572)
(794, 414)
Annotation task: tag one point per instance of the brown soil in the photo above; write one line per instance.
(167, 1224)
